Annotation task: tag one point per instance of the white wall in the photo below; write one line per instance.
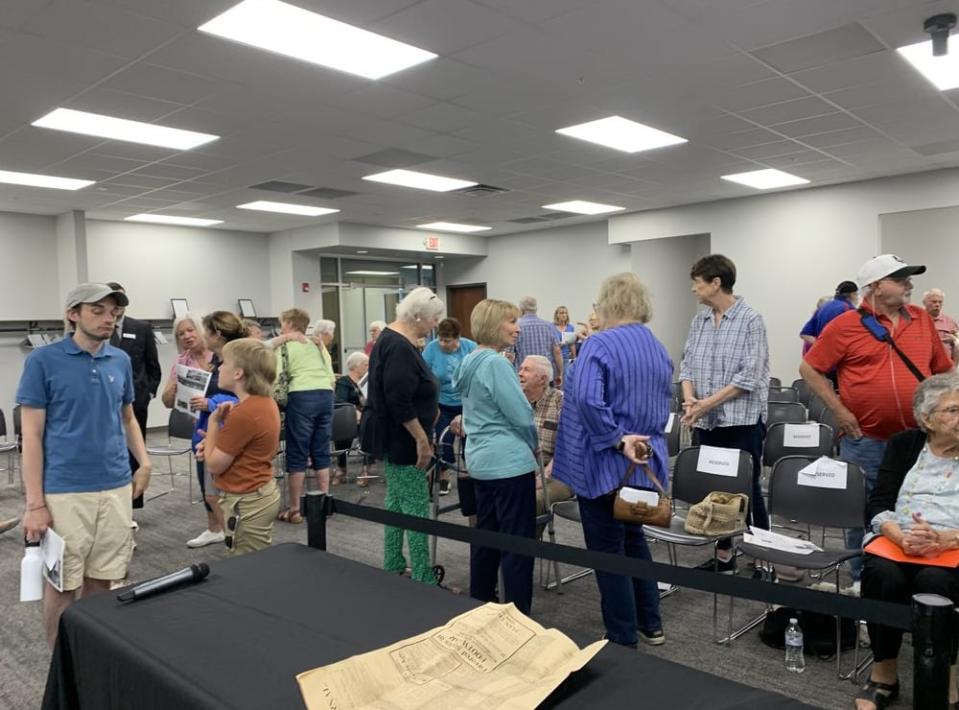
(927, 237)
(560, 266)
(28, 268)
(790, 248)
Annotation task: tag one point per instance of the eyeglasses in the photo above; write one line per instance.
(948, 412)
(231, 524)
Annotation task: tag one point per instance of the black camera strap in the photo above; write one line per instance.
(881, 333)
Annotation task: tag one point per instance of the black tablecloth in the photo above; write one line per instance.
(238, 640)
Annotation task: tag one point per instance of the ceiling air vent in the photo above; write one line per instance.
(482, 190)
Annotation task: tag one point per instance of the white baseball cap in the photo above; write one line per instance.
(884, 266)
(93, 292)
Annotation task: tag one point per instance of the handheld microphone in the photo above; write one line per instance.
(193, 573)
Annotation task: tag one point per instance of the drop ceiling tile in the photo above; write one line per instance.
(815, 50)
(33, 148)
(444, 26)
(106, 163)
(161, 83)
(123, 105)
(819, 124)
(442, 146)
(771, 150)
(133, 180)
(761, 93)
(743, 139)
(840, 137)
(381, 101)
(395, 158)
(873, 94)
(878, 67)
(167, 170)
(189, 15)
(388, 133)
(136, 151)
(443, 117)
(789, 111)
(41, 57)
(937, 148)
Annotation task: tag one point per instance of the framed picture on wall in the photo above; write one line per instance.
(246, 308)
(180, 307)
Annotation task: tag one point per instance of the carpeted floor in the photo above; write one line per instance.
(169, 520)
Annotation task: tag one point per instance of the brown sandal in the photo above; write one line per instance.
(294, 518)
(879, 694)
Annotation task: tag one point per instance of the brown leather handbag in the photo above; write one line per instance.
(640, 513)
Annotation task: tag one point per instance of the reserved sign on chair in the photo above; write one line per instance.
(718, 461)
(801, 435)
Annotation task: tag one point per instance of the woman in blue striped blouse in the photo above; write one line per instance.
(618, 396)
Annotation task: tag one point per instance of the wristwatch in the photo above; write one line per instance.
(621, 446)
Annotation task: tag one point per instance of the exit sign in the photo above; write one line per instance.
(432, 243)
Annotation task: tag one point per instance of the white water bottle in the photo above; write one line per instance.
(795, 661)
(31, 573)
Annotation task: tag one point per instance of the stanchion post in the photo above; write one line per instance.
(314, 506)
(934, 643)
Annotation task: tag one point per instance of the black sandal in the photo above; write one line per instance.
(879, 694)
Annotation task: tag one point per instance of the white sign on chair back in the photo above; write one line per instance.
(718, 461)
(824, 473)
(801, 435)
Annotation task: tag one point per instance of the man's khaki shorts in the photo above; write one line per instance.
(97, 532)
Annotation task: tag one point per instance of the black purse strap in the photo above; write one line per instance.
(882, 334)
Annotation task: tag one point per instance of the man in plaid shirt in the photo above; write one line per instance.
(537, 337)
(725, 378)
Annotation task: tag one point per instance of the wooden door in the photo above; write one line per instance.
(460, 301)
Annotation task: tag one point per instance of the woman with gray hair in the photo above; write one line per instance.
(348, 392)
(401, 407)
(915, 505)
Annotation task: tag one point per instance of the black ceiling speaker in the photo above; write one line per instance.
(938, 26)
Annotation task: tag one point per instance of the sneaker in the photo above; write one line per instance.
(727, 567)
(444, 487)
(653, 638)
(768, 575)
(207, 537)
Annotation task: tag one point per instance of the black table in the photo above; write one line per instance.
(238, 640)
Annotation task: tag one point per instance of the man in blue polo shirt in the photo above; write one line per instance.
(77, 422)
(847, 295)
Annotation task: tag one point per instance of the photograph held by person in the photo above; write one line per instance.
(614, 412)
(239, 445)
(725, 380)
(220, 328)
(500, 441)
(309, 406)
(444, 356)
(77, 423)
(348, 392)
(401, 409)
(875, 384)
(915, 505)
(135, 337)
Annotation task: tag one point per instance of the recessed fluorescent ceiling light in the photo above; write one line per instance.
(286, 208)
(372, 273)
(583, 207)
(31, 180)
(121, 129)
(454, 227)
(942, 71)
(169, 219)
(622, 134)
(362, 251)
(765, 179)
(421, 181)
(279, 27)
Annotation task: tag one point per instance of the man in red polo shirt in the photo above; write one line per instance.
(875, 383)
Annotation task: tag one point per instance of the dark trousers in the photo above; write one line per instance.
(506, 505)
(749, 438)
(140, 412)
(627, 603)
(897, 582)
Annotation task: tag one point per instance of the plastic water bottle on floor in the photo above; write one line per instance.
(795, 661)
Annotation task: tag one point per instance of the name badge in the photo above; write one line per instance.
(130, 336)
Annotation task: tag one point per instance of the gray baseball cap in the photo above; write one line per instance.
(93, 292)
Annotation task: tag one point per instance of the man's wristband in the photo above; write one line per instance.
(36, 507)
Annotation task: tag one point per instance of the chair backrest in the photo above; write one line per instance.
(828, 507)
(674, 436)
(816, 407)
(782, 394)
(791, 412)
(16, 421)
(344, 423)
(803, 393)
(828, 418)
(181, 425)
(691, 485)
(3, 425)
(775, 448)
(775, 382)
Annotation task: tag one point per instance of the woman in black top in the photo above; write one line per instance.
(402, 406)
(348, 392)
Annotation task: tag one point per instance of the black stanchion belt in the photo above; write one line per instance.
(886, 613)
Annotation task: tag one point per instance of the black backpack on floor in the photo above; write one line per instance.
(819, 631)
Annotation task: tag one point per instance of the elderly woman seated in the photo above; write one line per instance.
(916, 506)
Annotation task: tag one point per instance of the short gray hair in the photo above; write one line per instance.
(527, 304)
(934, 292)
(420, 303)
(541, 364)
(356, 359)
(929, 392)
(324, 326)
(377, 325)
(624, 297)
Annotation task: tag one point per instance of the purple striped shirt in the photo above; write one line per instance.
(622, 384)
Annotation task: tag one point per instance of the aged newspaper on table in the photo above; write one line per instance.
(190, 382)
(493, 657)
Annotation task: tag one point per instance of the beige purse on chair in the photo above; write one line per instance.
(718, 514)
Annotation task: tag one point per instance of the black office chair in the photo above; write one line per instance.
(343, 428)
(775, 382)
(7, 447)
(789, 412)
(782, 394)
(816, 408)
(803, 393)
(826, 507)
(829, 419)
(774, 447)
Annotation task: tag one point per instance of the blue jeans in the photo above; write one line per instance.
(627, 604)
(506, 505)
(309, 423)
(867, 454)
